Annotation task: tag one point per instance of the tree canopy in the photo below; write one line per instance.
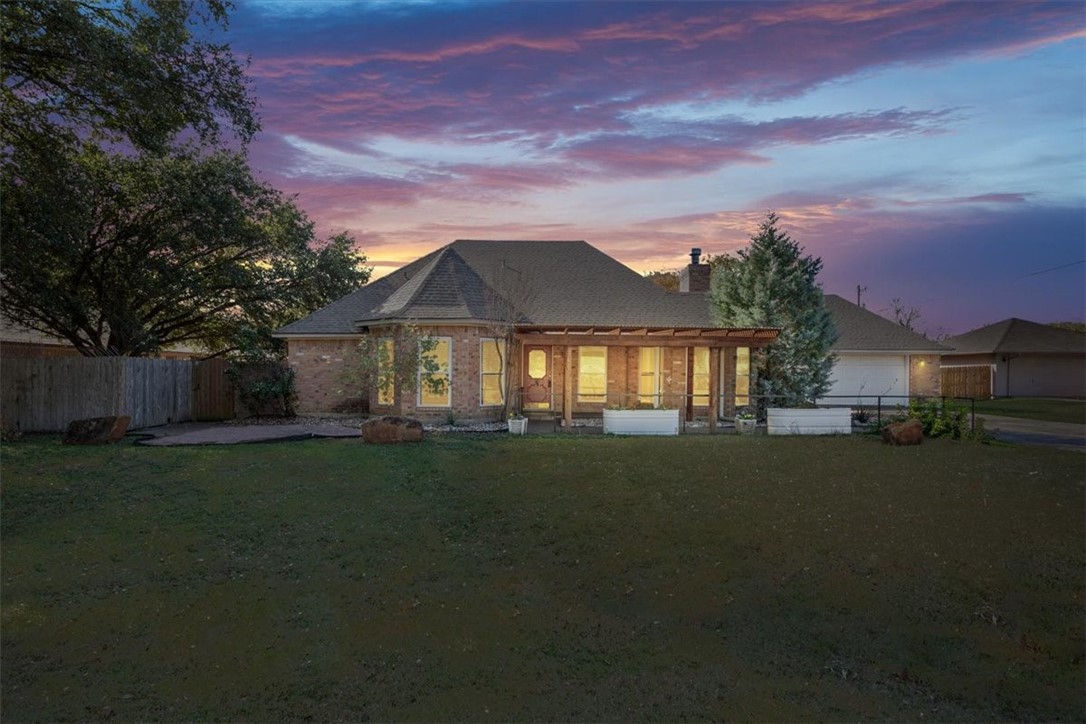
(132, 73)
(124, 255)
(772, 284)
(130, 218)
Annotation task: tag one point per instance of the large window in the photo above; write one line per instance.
(592, 374)
(386, 350)
(491, 372)
(701, 377)
(742, 376)
(648, 377)
(437, 392)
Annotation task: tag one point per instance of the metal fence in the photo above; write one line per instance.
(865, 411)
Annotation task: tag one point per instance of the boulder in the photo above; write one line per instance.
(909, 432)
(96, 430)
(391, 429)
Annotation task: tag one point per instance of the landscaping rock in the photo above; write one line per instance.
(96, 430)
(391, 429)
(910, 432)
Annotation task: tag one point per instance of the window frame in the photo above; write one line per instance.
(390, 388)
(742, 398)
(596, 398)
(700, 398)
(658, 362)
(483, 374)
(448, 372)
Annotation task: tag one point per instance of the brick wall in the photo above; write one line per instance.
(318, 366)
(925, 377)
(464, 379)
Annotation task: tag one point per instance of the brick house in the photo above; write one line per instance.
(565, 328)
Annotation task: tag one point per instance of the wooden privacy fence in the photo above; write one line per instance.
(212, 393)
(967, 381)
(44, 395)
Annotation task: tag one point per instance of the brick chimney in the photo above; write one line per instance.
(695, 277)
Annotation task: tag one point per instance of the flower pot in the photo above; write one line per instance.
(745, 426)
(518, 426)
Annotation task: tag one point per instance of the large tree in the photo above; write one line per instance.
(131, 73)
(126, 225)
(771, 283)
(124, 255)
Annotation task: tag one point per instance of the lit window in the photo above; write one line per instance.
(742, 376)
(386, 351)
(537, 364)
(437, 390)
(701, 376)
(491, 372)
(648, 379)
(592, 374)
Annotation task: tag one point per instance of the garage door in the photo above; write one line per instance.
(860, 378)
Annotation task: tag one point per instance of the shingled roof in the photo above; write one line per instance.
(859, 330)
(548, 282)
(555, 283)
(1018, 336)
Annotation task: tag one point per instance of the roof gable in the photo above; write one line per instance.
(859, 329)
(539, 282)
(1018, 336)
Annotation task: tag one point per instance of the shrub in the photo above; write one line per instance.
(264, 383)
(265, 387)
(944, 418)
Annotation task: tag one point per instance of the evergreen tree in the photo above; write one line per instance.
(772, 284)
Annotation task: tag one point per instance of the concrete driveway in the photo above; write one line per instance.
(1067, 435)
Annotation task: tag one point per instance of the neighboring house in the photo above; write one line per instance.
(879, 358)
(1026, 359)
(586, 332)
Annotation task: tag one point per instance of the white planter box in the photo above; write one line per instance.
(518, 426)
(817, 421)
(641, 422)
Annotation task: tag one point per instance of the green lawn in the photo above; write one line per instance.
(725, 577)
(1035, 408)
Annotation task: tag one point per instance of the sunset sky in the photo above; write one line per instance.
(930, 151)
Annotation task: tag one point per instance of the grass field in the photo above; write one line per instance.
(730, 577)
(1035, 408)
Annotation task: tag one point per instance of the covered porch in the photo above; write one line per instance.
(566, 372)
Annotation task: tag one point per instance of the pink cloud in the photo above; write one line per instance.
(698, 147)
(647, 157)
(600, 64)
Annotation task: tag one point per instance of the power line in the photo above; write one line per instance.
(1045, 271)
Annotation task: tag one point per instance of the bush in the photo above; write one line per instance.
(265, 387)
(944, 418)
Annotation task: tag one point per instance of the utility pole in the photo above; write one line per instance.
(859, 290)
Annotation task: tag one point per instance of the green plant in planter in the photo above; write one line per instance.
(745, 413)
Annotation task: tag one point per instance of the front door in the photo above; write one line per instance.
(536, 384)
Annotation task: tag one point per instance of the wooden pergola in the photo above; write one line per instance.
(715, 338)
